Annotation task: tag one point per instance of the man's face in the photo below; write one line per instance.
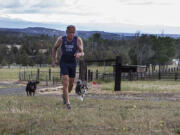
(70, 33)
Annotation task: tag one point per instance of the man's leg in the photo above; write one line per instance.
(65, 88)
(71, 82)
(72, 75)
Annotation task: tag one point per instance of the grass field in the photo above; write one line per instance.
(47, 116)
(150, 86)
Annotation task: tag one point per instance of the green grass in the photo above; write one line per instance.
(9, 74)
(47, 116)
(151, 86)
(177, 131)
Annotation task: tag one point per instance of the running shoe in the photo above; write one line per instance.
(68, 106)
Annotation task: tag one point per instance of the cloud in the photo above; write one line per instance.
(30, 3)
(44, 8)
(6, 22)
(9, 4)
(145, 2)
(27, 6)
(102, 12)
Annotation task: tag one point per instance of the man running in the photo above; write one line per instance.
(71, 49)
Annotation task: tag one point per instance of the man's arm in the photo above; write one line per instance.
(54, 53)
(80, 48)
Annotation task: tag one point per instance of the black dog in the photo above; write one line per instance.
(81, 88)
(31, 88)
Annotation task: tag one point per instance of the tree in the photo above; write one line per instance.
(177, 42)
(3, 62)
(1, 55)
(142, 50)
(96, 37)
(24, 59)
(165, 50)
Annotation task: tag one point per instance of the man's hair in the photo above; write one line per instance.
(71, 27)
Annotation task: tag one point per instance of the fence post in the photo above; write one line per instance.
(89, 74)
(37, 77)
(96, 74)
(169, 70)
(53, 80)
(176, 76)
(141, 76)
(24, 75)
(130, 75)
(31, 75)
(56, 80)
(46, 80)
(20, 76)
(159, 73)
(82, 70)
(49, 73)
(118, 74)
(103, 76)
(137, 76)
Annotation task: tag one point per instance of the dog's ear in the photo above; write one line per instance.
(79, 82)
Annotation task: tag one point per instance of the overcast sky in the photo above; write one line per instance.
(149, 16)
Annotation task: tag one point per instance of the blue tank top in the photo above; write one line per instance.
(68, 49)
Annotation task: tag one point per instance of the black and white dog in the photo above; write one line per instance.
(31, 87)
(81, 88)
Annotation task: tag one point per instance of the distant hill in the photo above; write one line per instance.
(52, 32)
(33, 31)
(83, 34)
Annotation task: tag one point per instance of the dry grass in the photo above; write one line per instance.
(47, 116)
(145, 86)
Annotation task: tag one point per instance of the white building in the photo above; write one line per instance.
(10, 46)
(175, 61)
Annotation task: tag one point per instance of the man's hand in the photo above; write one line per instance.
(54, 62)
(78, 55)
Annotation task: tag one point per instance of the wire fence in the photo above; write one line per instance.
(135, 76)
(54, 77)
(45, 76)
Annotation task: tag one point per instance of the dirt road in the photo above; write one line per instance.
(18, 88)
